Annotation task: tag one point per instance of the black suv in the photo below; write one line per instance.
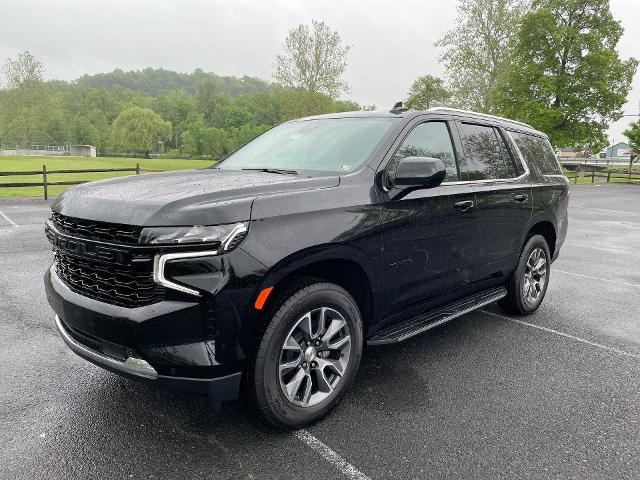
(271, 270)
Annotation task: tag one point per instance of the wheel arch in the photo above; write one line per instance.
(545, 228)
(345, 266)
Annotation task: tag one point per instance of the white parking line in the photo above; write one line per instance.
(605, 210)
(612, 250)
(14, 224)
(329, 455)
(600, 279)
(562, 334)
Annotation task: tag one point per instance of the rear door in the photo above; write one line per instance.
(503, 194)
(431, 234)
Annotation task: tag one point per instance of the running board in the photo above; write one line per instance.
(407, 329)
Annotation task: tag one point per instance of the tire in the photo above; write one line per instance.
(522, 299)
(294, 385)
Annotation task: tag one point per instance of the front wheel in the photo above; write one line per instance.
(528, 284)
(307, 356)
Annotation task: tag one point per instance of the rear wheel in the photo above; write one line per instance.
(307, 356)
(528, 284)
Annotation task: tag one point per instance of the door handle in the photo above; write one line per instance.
(522, 197)
(464, 205)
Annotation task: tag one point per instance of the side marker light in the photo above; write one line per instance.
(262, 298)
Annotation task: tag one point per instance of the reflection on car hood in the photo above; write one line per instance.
(190, 197)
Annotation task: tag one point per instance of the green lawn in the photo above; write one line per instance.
(25, 163)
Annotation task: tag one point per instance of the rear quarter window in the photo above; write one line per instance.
(537, 153)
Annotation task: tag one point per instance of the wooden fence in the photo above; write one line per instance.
(46, 183)
(612, 176)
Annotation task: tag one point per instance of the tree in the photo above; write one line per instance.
(217, 109)
(25, 112)
(346, 106)
(139, 129)
(479, 48)
(426, 92)
(633, 134)
(296, 103)
(567, 78)
(155, 82)
(199, 139)
(89, 113)
(313, 59)
(213, 114)
(28, 103)
(263, 107)
(26, 68)
(175, 106)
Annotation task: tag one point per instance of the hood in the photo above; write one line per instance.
(190, 197)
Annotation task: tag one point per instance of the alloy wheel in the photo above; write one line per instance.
(535, 276)
(314, 357)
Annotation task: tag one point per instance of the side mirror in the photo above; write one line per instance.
(418, 172)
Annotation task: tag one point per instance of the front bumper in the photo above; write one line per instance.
(223, 388)
(160, 344)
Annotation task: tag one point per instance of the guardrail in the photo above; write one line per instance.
(612, 176)
(46, 182)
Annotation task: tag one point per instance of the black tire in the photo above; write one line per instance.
(516, 301)
(263, 375)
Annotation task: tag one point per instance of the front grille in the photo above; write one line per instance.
(125, 285)
(99, 231)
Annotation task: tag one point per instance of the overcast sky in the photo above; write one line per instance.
(392, 40)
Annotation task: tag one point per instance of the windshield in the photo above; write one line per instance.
(328, 145)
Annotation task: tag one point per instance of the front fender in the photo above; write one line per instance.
(320, 253)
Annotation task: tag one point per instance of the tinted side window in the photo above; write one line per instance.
(518, 161)
(537, 153)
(511, 166)
(486, 153)
(430, 139)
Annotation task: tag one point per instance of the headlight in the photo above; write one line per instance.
(225, 237)
(183, 271)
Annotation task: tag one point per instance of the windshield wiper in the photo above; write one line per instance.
(281, 171)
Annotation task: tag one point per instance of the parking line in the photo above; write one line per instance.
(14, 224)
(562, 334)
(612, 250)
(340, 463)
(600, 279)
(605, 210)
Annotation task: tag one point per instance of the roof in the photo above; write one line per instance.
(409, 113)
(477, 114)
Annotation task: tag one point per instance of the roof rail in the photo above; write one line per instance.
(486, 115)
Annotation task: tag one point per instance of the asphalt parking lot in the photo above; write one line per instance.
(552, 395)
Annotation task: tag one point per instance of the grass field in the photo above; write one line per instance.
(25, 163)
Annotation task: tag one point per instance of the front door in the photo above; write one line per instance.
(430, 234)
